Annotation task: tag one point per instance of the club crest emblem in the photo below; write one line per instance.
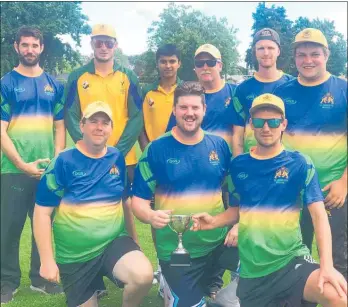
(266, 33)
(307, 34)
(150, 101)
(49, 90)
(327, 102)
(214, 158)
(281, 175)
(114, 172)
(85, 85)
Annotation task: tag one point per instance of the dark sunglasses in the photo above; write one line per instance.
(271, 122)
(98, 43)
(210, 63)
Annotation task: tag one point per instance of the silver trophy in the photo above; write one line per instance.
(179, 224)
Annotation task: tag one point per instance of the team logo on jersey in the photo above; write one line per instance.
(327, 102)
(227, 102)
(281, 175)
(79, 173)
(114, 172)
(19, 89)
(290, 101)
(122, 89)
(49, 90)
(214, 158)
(173, 161)
(251, 97)
(85, 85)
(242, 176)
(150, 101)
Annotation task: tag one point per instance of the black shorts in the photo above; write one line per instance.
(187, 286)
(283, 288)
(81, 280)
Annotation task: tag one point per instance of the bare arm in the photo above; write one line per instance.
(143, 139)
(204, 221)
(337, 192)
(43, 236)
(8, 148)
(129, 219)
(142, 210)
(237, 140)
(59, 137)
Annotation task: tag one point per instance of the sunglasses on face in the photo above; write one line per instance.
(98, 43)
(271, 122)
(210, 63)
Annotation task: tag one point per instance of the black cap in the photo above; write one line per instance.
(266, 33)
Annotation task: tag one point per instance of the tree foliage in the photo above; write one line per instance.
(144, 66)
(53, 19)
(188, 29)
(276, 18)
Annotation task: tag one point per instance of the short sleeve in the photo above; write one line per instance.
(5, 102)
(239, 117)
(58, 111)
(234, 197)
(51, 186)
(311, 191)
(144, 180)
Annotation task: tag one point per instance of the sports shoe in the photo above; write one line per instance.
(7, 294)
(47, 288)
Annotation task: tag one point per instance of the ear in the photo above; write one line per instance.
(179, 64)
(81, 126)
(251, 124)
(15, 46)
(174, 110)
(42, 47)
(204, 109)
(220, 66)
(284, 124)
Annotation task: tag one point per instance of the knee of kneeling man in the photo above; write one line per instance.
(142, 277)
(338, 301)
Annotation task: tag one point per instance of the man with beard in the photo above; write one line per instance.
(105, 80)
(184, 169)
(31, 109)
(316, 104)
(266, 50)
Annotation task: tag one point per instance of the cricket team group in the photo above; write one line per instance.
(260, 167)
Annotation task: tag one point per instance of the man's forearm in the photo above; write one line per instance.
(129, 219)
(143, 139)
(42, 227)
(322, 233)
(237, 140)
(141, 209)
(226, 218)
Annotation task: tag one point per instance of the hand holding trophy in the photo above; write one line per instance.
(180, 256)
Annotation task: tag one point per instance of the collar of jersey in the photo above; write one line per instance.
(304, 83)
(78, 147)
(260, 79)
(216, 90)
(91, 67)
(255, 156)
(176, 136)
(24, 75)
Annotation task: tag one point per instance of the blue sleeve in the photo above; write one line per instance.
(6, 113)
(51, 186)
(58, 112)
(144, 180)
(239, 117)
(311, 190)
(234, 197)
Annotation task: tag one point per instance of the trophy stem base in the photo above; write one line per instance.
(180, 260)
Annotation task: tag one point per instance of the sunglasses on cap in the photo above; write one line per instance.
(271, 122)
(98, 43)
(210, 63)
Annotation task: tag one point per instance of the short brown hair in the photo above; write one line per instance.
(326, 50)
(189, 88)
(29, 32)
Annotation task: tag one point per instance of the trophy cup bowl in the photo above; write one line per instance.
(180, 256)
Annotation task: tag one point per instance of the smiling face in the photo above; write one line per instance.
(266, 136)
(207, 74)
(168, 66)
(266, 53)
(311, 61)
(29, 50)
(104, 48)
(96, 129)
(189, 112)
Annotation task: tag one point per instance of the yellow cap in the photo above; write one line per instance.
(95, 107)
(208, 48)
(311, 35)
(267, 100)
(103, 29)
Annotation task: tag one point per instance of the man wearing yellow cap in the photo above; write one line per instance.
(104, 79)
(86, 186)
(276, 267)
(220, 114)
(316, 106)
(266, 50)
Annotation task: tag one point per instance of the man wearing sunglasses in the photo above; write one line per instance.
(103, 79)
(316, 104)
(276, 267)
(266, 50)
